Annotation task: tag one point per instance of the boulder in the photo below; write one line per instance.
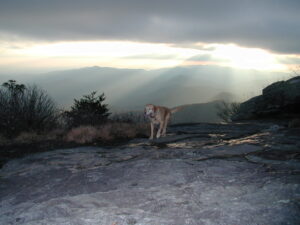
(278, 100)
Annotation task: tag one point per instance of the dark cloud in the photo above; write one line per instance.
(271, 24)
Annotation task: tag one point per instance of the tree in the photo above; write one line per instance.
(25, 108)
(13, 87)
(89, 110)
(226, 110)
(296, 70)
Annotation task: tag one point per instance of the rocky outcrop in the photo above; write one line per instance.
(199, 174)
(278, 100)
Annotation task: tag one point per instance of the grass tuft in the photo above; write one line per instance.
(109, 132)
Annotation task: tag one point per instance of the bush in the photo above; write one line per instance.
(89, 110)
(226, 110)
(25, 108)
(129, 117)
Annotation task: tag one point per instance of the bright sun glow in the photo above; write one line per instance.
(125, 54)
(112, 53)
(105, 48)
(246, 58)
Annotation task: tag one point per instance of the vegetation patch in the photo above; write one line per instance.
(31, 122)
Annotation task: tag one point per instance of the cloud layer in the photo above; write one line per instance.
(269, 24)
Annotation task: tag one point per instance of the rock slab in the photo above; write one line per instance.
(190, 180)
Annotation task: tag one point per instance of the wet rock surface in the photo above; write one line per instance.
(198, 174)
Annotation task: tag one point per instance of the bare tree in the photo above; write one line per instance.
(296, 70)
(226, 110)
(25, 109)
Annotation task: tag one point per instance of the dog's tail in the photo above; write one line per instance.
(176, 109)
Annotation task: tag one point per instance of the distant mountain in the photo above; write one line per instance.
(226, 96)
(64, 86)
(196, 113)
(131, 89)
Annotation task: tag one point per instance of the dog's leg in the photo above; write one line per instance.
(164, 129)
(165, 125)
(160, 130)
(152, 131)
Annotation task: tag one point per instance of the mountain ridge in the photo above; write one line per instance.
(131, 89)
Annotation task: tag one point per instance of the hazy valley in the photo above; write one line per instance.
(131, 89)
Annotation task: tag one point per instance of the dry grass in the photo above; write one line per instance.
(112, 132)
(3, 140)
(109, 132)
(56, 134)
(82, 134)
(123, 130)
(295, 123)
(28, 137)
(32, 137)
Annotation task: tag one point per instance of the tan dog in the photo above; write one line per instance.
(159, 115)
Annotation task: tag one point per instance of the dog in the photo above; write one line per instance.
(159, 115)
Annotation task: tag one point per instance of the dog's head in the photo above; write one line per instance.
(149, 111)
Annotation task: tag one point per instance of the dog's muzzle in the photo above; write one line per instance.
(150, 115)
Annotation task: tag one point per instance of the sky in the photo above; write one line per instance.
(43, 35)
